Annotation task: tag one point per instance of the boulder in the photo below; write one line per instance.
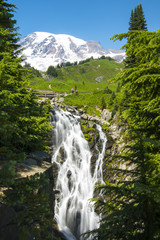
(81, 111)
(71, 110)
(30, 161)
(114, 131)
(95, 119)
(40, 156)
(106, 115)
(103, 122)
(84, 116)
(61, 100)
(91, 124)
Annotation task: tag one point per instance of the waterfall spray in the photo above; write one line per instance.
(74, 212)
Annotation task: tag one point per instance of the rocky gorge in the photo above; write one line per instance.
(40, 163)
(110, 125)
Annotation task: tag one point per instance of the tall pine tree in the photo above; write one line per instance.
(6, 15)
(23, 122)
(137, 19)
(7, 23)
(24, 127)
(137, 22)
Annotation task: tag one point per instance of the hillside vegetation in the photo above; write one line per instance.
(87, 77)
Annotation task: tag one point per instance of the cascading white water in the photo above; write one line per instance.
(74, 212)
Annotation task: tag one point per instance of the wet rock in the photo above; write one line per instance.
(110, 142)
(61, 155)
(58, 235)
(55, 171)
(69, 173)
(94, 157)
(93, 139)
(56, 191)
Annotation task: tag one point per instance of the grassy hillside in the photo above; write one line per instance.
(88, 72)
(91, 79)
(83, 76)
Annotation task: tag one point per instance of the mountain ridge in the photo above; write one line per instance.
(43, 49)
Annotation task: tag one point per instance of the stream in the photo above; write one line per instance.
(74, 212)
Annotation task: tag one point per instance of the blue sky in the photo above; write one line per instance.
(95, 20)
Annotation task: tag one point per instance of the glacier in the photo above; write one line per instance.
(43, 49)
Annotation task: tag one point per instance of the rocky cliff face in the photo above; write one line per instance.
(114, 131)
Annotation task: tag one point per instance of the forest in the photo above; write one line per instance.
(130, 207)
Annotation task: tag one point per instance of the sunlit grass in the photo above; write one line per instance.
(83, 77)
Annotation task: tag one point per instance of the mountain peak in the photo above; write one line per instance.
(43, 49)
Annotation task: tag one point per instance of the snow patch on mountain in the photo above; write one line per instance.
(42, 49)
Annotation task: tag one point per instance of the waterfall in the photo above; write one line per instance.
(74, 212)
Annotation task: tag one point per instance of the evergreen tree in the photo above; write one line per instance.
(132, 21)
(137, 19)
(137, 22)
(24, 126)
(32, 71)
(52, 71)
(6, 14)
(7, 25)
(130, 206)
(22, 119)
(141, 22)
(103, 103)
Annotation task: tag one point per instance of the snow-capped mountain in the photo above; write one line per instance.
(42, 49)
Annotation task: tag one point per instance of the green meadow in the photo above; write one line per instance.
(90, 79)
(87, 77)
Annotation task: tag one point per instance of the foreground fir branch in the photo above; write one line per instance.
(24, 127)
(130, 207)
